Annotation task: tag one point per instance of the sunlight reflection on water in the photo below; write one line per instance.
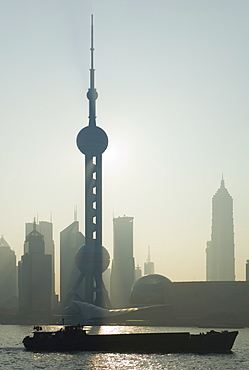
(116, 329)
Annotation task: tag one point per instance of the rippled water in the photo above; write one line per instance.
(14, 356)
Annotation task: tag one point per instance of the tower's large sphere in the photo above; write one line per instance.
(95, 259)
(92, 140)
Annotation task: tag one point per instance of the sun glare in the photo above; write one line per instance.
(114, 156)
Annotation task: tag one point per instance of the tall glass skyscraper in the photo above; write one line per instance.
(71, 239)
(122, 273)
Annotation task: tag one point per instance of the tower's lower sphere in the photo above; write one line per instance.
(92, 140)
(92, 259)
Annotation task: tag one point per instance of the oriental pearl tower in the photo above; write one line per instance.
(93, 259)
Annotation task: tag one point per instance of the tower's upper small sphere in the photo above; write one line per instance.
(92, 140)
(92, 94)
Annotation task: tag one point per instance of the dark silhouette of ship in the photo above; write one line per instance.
(75, 338)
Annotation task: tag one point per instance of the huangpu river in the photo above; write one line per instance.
(14, 356)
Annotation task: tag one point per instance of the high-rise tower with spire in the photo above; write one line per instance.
(35, 276)
(46, 229)
(148, 265)
(93, 259)
(220, 250)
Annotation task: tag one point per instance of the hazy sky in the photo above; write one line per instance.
(173, 81)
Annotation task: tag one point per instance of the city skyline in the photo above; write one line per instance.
(173, 83)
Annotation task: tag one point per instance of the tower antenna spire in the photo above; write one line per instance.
(75, 213)
(92, 50)
(148, 260)
(222, 184)
(92, 94)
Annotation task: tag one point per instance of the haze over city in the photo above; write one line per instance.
(172, 79)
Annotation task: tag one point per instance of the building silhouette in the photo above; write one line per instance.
(138, 273)
(93, 259)
(247, 270)
(8, 280)
(71, 239)
(46, 229)
(35, 276)
(220, 250)
(148, 265)
(123, 268)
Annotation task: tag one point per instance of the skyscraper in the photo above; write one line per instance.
(247, 270)
(35, 276)
(93, 259)
(46, 229)
(220, 250)
(148, 265)
(71, 239)
(8, 286)
(122, 272)
(138, 273)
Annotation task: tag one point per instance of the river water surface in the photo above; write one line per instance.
(14, 356)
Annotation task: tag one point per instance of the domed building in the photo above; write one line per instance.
(149, 289)
(193, 303)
